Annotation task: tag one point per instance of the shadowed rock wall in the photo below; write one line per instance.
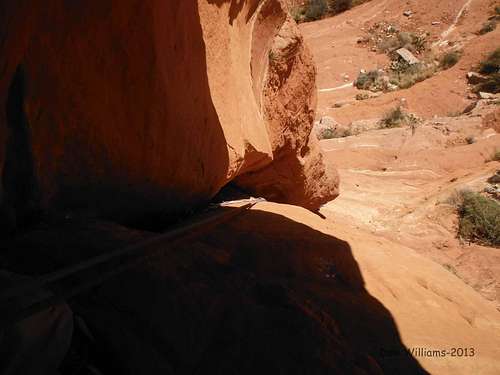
(126, 107)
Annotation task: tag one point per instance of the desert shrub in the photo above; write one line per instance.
(411, 74)
(372, 80)
(492, 63)
(470, 139)
(339, 6)
(496, 156)
(271, 55)
(492, 84)
(334, 133)
(495, 179)
(449, 59)
(488, 27)
(298, 13)
(479, 219)
(394, 118)
(491, 68)
(315, 9)
(362, 96)
(411, 41)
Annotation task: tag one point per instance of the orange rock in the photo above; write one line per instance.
(127, 107)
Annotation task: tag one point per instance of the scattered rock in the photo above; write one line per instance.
(493, 190)
(407, 13)
(392, 87)
(366, 95)
(492, 120)
(486, 95)
(474, 78)
(470, 107)
(407, 56)
(435, 23)
(328, 122)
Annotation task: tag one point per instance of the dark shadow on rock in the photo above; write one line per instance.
(236, 7)
(19, 181)
(262, 294)
(118, 97)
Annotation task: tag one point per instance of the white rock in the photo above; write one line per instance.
(486, 95)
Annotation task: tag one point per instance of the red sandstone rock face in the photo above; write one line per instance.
(130, 107)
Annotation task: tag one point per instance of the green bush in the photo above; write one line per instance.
(492, 64)
(470, 139)
(450, 59)
(412, 74)
(298, 13)
(371, 80)
(315, 9)
(496, 155)
(479, 219)
(488, 27)
(339, 6)
(334, 133)
(492, 84)
(394, 118)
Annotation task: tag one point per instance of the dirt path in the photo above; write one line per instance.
(453, 26)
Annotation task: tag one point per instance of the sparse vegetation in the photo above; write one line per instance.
(496, 155)
(495, 179)
(334, 133)
(411, 41)
(479, 218)
(402, 74)
(362, 96)
(492, 64)
(470, 139)
(492, 84)
(316, 9)
(393, 118)
(450, 268)
(488, 27)
(371, 80)
(339, 6)
(407, 76)
(397, 118)
(449, 59)
(491, 68)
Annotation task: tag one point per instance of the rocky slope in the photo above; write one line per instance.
(127, 108)
(398, 183)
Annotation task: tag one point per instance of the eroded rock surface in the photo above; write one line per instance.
(126, 108)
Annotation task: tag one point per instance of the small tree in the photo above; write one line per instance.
(316, 9)
(339, 6)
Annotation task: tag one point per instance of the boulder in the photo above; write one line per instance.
(486, 95)
(126, 108)
(475, 78)
(407, 56)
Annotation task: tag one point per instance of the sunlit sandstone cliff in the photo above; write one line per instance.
(126, 107)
